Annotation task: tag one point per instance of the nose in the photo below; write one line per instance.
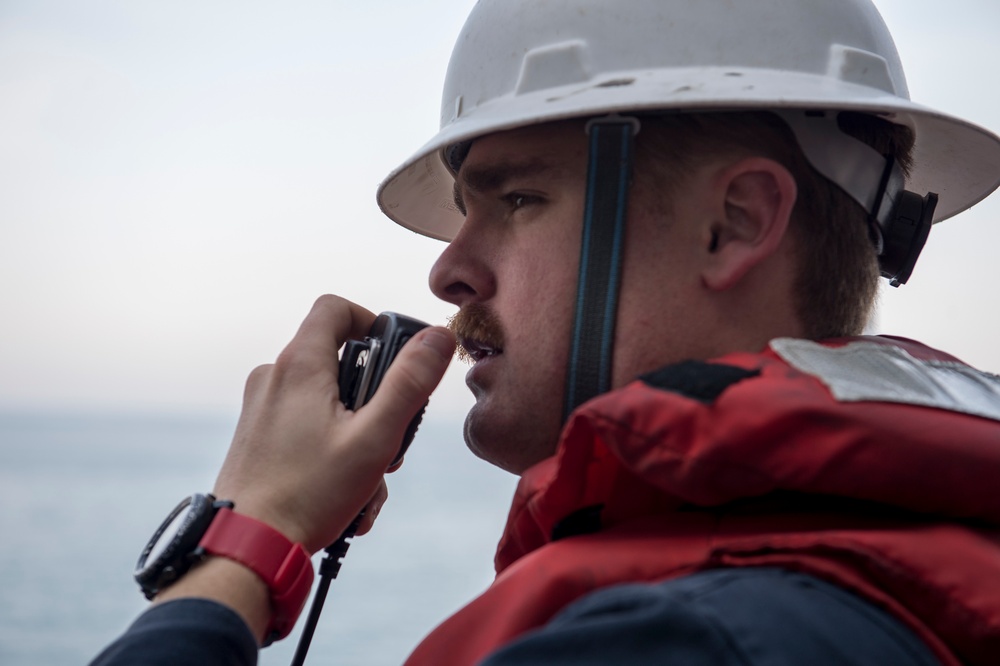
(463, 273)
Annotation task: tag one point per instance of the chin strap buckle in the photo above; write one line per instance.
(900, 222)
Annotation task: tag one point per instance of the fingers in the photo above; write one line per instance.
(373, 507)
(406, 387)
(331, 321)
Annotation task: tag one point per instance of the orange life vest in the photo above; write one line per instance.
(750, 461)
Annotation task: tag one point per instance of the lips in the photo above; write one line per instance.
(476, 350)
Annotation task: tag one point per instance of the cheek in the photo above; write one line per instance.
(537, 292)
(543, 292)
(536, 306)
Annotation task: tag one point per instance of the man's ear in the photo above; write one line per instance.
(758, 197)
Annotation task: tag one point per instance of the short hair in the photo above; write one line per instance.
(836, 285)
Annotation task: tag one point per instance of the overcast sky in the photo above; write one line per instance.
(180, 180)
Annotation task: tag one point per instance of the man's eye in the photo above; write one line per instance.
(517, 200)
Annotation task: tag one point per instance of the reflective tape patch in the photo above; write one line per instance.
(869, 371)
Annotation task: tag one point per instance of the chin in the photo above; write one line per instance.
(513, 447)
(482, 447)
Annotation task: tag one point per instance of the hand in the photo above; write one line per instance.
(300, 461)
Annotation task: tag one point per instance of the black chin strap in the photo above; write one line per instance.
(608, 174)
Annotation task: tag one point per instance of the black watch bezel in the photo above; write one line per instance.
(177, 556)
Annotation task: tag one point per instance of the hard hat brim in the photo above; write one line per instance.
(958, 160)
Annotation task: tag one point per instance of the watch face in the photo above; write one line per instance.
(169, 553)
(168, 533)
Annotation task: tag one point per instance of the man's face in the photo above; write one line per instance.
(512, 270)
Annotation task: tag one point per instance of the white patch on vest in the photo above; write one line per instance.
(869, 371)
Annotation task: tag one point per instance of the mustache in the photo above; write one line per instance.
(476, 323)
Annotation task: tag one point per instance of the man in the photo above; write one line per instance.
(694, 194)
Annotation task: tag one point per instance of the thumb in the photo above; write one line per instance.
(406, 386)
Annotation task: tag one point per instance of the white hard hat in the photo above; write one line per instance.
(520, 62)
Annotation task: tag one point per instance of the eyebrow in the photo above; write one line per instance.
(491, 177)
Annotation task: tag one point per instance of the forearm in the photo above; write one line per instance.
(228, 583)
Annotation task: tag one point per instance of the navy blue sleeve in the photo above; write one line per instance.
(725, 617)
(185, 631)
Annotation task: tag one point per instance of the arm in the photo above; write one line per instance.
(210, 634)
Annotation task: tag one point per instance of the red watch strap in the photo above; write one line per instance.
(284, 566)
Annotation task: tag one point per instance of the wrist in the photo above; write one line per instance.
(230, 584)
(206, 532)
(284, 567)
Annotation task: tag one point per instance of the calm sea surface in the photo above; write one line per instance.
(81, 494)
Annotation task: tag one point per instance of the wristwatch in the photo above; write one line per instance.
(201, 526)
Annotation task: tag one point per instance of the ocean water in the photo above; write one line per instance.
(81, 494)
